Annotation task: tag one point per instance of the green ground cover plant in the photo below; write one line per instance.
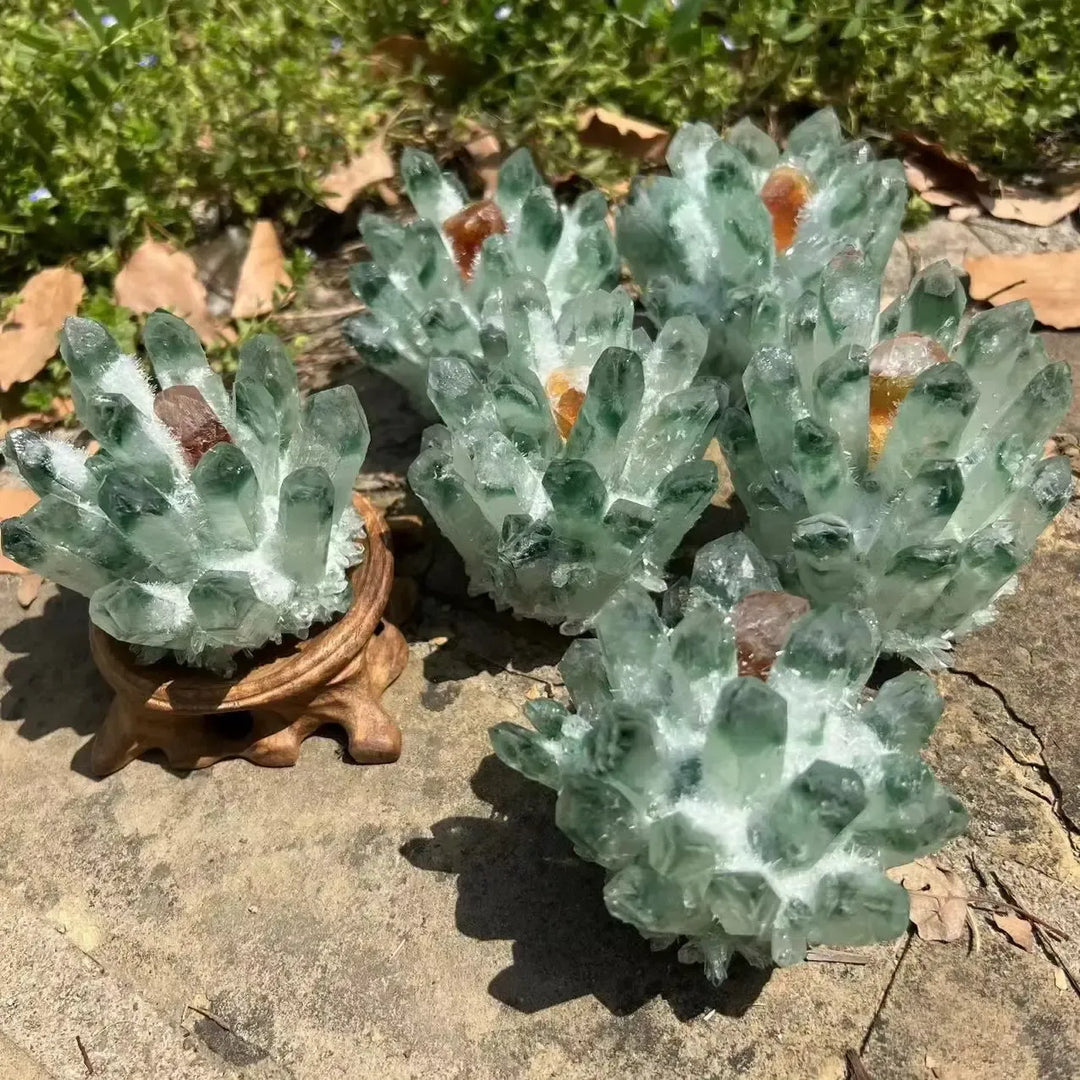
(121, 114)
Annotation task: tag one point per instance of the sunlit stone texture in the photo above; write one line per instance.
(740, 230)
(895, 462)
(570, 456)
(432, 287)
(735, 814)
(208, 522)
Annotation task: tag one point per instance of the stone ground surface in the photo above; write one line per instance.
(427, 919)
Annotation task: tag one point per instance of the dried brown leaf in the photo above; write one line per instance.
(1049, 280)
(28, 338)
(159, 276)
(608, 130)
(262, 273)
(1018, 930)
(29, 587)
(13, 502)
(398, 54)
(1032, 207)
(964, 213)
(343, 183)
(939, 899)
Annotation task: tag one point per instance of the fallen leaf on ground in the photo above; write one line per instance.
(398, 54)
(609, 130)
(13, 502)
(1061, 980)
(343, 183)
(1032, 207)
(159, 276)
(485, 150)
(28, 338)
(261, 274)
(939, 899)
(1050, 281)
(1018, 930)
(964, 213)
(29, 587)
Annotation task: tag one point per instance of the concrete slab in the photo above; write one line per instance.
(426, 919)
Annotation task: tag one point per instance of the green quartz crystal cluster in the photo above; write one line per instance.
(895, 462)
(740, 229)
(570, 460)
(735, 814)
(208, 522)
(433, 285)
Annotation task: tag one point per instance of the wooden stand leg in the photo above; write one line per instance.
(271, 735)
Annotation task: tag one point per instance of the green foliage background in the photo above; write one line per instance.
(249, 100)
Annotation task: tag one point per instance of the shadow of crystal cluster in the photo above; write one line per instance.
(432, 287)
(569, 460)
(741, 814)
(739, 226)
(208, 522)
(896, 462)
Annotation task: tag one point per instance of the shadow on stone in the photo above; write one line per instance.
(483, 639)
(519, 880)
(52, 682)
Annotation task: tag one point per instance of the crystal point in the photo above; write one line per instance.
(204, 525)
(566, 473)
(898, 466)
(452, 267)
(746, 815)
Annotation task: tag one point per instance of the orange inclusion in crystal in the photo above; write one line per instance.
(565, 400)
(785, 193)
(894, 366)
(469, 228)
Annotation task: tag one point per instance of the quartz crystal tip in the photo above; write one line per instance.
(193, 530)
(727, 768)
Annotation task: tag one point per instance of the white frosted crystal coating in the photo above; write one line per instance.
(553, 496)
(199, 562)
(718, 240)
(896, 461)
(732, 814)
(423, 304)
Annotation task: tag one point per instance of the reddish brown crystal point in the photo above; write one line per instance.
(566, 400)
(469, 228)
(762, 625)
(184, 411)
(785, 193)
(894, 366)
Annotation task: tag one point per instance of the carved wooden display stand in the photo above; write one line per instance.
(279, 698)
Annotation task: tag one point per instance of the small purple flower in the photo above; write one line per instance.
(109, 21)
(150, 60)
(503, 13)
(39, 195)
(336, 45)
(728, 43)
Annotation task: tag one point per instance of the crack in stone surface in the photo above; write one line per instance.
(1041, 768)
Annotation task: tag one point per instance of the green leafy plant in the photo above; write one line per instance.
(127, 111)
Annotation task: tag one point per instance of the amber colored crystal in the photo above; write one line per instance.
(566, 398)
(763, 622)
(469, 228)
(785, 193)
(184, 411)
(894, 366)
